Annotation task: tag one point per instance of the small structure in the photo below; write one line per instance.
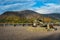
(35, 23)
(42, 24)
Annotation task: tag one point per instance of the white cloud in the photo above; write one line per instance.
(49, 8)
(14, 1)
(16, 6)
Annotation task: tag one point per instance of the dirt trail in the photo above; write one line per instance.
(20, 33)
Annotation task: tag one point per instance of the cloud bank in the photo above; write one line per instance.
(49, 8)
(15, 5)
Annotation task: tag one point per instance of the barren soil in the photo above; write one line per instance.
(21, 33)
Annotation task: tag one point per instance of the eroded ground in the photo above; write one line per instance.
(28, 33)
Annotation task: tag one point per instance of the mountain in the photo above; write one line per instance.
(25, 13)
(53, 15)
(29, 14)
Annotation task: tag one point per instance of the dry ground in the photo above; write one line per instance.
(27, 33)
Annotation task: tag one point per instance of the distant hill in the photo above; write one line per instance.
(25, 13)
(53, 15)
(29, 14)
(26, 16)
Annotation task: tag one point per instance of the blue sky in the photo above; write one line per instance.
(40, 6)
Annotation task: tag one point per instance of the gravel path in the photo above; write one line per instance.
(20, 33)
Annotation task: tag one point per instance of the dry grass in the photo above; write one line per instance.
(38, 29)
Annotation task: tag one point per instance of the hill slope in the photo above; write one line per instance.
(53, 15)
(25, 13)
(30, 15)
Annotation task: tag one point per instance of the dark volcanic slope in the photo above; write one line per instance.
(30, 14)
(53, 15)
(25, 13)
